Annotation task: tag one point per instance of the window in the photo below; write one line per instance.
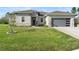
(23, 19)
(67, 21)
(41, 19)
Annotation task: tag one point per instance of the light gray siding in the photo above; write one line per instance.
(39, 20)
(27, 20)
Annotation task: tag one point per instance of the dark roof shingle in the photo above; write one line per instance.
(29, 11)
(60, 13)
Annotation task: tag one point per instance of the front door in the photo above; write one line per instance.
(33, 21)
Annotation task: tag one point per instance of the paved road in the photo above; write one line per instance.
(72, 31)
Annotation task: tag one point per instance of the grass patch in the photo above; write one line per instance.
(36, 39)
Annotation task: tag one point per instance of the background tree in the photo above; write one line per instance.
(4, 20)
(74, 10)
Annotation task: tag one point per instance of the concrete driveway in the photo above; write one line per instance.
(72, 31)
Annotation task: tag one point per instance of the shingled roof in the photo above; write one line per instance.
(44, 13)
(61, 13)
(25, 11)
(28, 11)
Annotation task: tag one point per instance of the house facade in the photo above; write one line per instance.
(36, 18)
(28, 18)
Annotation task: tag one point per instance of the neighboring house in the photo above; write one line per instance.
(37, 18)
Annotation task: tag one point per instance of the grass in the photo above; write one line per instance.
(36, 39)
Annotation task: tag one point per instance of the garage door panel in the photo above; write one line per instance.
(60, 22)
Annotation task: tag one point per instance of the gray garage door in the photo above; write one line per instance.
(61, 22)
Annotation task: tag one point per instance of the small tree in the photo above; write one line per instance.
(11, 18)
(4, 20)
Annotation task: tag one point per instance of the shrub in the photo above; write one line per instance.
(3, 20)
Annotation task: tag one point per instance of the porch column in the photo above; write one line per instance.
(72, 22)
(37, 20)
(49, 24)
(48, 21)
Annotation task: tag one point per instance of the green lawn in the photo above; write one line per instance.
(35, 39)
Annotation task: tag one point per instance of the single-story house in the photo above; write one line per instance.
(36, 18)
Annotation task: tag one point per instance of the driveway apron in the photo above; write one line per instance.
(72, 31)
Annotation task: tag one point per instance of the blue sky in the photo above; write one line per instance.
(4, 10)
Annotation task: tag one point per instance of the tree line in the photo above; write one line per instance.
(4, 20)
